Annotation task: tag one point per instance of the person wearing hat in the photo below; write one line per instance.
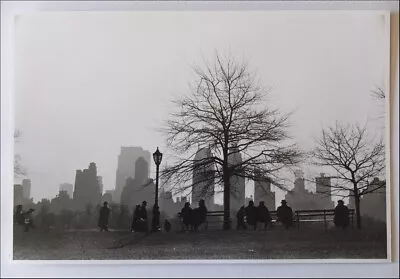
(285, 214)
(341, 218)
(103, 217)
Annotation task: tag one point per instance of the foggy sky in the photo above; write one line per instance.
(88, 83)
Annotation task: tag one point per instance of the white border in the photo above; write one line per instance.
(9, 9)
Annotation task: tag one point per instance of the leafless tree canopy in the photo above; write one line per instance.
(227, 113)
(353, 155)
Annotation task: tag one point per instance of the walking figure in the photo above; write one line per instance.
(103, 217)
(143, 217)
(135, 221)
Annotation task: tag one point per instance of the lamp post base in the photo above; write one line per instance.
(155, 222)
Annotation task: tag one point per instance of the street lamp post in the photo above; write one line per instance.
(157, 156)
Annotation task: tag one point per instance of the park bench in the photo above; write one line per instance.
(299, 216)
(324, 215)
(218, 213)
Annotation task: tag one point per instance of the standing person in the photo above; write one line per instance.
(186, 215)
(143, 216)
(341, 218)
(251, 215)
(135, 221)
(19, 215)
(103, 217)
(240, 223)
(285, 214)
(263, 214)
(167, 225)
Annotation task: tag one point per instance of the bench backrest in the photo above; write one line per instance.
(300, 213)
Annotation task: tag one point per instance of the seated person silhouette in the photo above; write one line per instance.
(240, 224)
(263, 215)
(186, 215)
(199, 215)
(341, 218)
(251, 215)
(285, 215)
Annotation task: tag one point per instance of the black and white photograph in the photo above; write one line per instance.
(201, 135)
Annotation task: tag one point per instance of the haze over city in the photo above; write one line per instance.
(88, 83)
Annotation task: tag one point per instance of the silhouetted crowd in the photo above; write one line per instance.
(193, 218)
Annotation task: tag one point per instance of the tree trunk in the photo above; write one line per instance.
(357, 204)
(227, 191)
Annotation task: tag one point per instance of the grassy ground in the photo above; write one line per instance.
(306, 243)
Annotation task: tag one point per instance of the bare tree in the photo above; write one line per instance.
(354, 157)
(226, 112)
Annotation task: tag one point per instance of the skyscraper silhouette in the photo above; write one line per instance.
(126, 167)
(237, 182)
(26, 185)
(87, 188)
(203, 178)
(140, 188)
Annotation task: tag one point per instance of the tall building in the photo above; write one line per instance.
(324, 193)
(67, 187)
(26, 185)
(237, 182)
(18, 194)
(323, 185)
(87, 188)
(203, 178)
(100, 180)
(262, 191)
(299, 198)
(140, 188)
(126, 167)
